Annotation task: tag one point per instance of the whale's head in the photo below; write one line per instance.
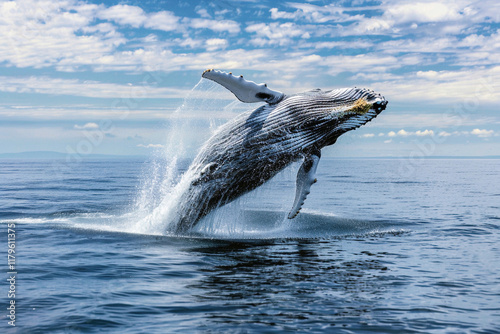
(330, 114)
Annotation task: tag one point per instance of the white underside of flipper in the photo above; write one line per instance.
(245, 91)
(306, 177)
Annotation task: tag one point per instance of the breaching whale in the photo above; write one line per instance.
(256, 145)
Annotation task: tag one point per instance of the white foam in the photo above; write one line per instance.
(158, 198)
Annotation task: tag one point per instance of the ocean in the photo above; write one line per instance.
(381, 246)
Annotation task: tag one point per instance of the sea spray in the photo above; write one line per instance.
(205, 108)
(159, 202)
(257, 214)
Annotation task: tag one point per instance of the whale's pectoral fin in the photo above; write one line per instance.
(306, 177)
(245, 91)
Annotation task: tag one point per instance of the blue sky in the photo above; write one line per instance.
(107, 77)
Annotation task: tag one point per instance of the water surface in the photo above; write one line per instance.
(374, 250)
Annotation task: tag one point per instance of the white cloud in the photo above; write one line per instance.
(151, 145)
(372, 25)
(275, 33)
(438, 27)
(124, 15)
(276, 14)
(67, 36)
(447, 118)
(221, 13)
(483, 133)
(368, 135)
(163, 20)
(423, 12)
(424, 133)
(432, 18)
(213, 44)
(136, 17)
(41, 33)
(419, 45)
(87, 126)
(203, 13)
(468, 84)
(404, 133)
(74, 87)
(215, 25)
(189, 42)
(360, 63)
(360, 44)
(473, 40)
(425, 57)
(91, 113)
(316, 14)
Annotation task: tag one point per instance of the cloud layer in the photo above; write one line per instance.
(394, 47)
(438, 63)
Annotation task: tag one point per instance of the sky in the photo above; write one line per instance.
(109, 77)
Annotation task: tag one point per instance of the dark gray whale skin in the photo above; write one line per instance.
(249, 150)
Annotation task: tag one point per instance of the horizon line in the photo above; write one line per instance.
(61, 155)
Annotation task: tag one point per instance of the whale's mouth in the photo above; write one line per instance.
(379, 105)
(349, 102)
(362, 111)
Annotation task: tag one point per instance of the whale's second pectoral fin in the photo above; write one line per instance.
(245, 91)
(306, 177)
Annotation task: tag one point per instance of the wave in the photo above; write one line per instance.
(248, 225)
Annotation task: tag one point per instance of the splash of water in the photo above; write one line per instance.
(158, 201)
(201, 113)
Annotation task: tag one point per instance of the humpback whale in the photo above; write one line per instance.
(256, 145)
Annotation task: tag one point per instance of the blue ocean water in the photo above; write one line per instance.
(379, 247)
